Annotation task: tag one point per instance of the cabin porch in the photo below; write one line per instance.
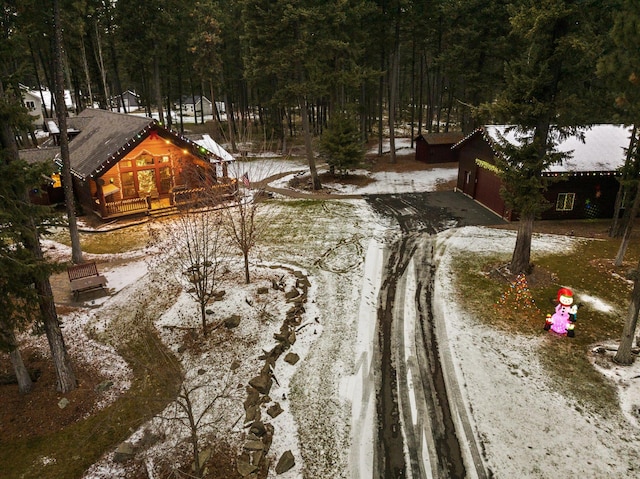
(179, 197)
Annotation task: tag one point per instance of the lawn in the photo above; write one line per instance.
(590, 272)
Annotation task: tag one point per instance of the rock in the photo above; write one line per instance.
(286, 462)
(275, 410)
(235, 364)
(263, 290)
(208, 311)
(232, 321)
(63, 403)
(262, 383)
(201, 371)
(218, 295)
(103, 386)
(291, 294)
(252, 413)
(254, 446)
(244, 468)
(124, 452)
(258, 429)
(292, 358)
(253, 397)
(203, 457)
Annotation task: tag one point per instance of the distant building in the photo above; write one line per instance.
(436, 147)
(196, 106)
(130, 99)
(37, 101)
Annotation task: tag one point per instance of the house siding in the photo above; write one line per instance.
(595, 197)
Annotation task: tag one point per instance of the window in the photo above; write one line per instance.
(565, 201)
(144, 160)
(128, 185)
(31, 105)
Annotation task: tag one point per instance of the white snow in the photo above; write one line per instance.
(526, 428)
(602, 147)
(211, 145)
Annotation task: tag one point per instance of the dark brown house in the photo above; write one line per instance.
(585, 185)
(436, 147)
(126, 164)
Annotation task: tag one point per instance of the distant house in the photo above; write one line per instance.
(585, 185)
(39, 100)
(436, 147)
(126, 164)
(130, 99)
(193, 106)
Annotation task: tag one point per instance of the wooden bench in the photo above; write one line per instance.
(85, 277)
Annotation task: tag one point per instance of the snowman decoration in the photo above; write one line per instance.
(563, 321)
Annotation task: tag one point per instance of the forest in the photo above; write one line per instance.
(434, 65)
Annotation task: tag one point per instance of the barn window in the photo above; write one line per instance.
(565, 201)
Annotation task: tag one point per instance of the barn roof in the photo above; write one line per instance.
(446, 138)
(601, 148)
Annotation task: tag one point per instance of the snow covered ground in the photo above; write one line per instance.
(527, 429)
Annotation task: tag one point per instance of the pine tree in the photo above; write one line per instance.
(550, 83)
(340, 144)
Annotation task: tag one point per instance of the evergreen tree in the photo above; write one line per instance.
(340, 144)
(550, 76)
(621, 69)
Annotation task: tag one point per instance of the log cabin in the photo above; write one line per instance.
(127, 165)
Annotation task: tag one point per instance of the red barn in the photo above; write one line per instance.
(436, 147)
(585, 184)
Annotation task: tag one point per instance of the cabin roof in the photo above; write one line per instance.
(105, 137)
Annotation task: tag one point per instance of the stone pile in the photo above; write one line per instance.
(253, 462)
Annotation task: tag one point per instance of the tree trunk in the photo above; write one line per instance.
(103, 71)
(35, 67)
(76, 250)
(623, 356)
(25, 384)
(316, 185)
(158, 84)
(87, 75)
(393, 91)
(22, 375)
(247, 278)
(521, 259)
(116, 70)
(214, 109)
(230, 124)
(627, 231)
(203, 316)
(616, 224)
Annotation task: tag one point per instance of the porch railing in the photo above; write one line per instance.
(133, 205)
(203, 196)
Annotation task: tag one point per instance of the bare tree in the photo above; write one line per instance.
(194, 242)
(197, 408)
(250, 216)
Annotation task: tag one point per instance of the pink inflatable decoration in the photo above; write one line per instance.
(563, 320)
